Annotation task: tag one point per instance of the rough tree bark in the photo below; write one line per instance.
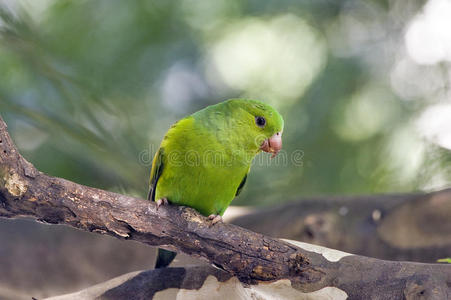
(397, 227)
(249, 257)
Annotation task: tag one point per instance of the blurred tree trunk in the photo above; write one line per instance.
(397, 227)
(362, 279)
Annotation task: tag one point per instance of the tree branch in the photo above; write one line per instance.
(249, 256)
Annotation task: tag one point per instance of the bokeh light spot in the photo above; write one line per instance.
(275, 59)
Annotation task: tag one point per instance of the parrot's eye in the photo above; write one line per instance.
(260, 121)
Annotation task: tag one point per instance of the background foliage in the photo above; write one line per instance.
(88, 89)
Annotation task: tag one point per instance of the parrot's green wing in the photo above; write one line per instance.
(164, 257)
(240, 187)
(155, 173)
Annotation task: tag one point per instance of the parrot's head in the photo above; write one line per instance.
(260, 123)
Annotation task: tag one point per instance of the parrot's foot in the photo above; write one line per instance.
(214, 219)
(162, 201)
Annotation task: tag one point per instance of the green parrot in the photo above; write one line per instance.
(204, 159)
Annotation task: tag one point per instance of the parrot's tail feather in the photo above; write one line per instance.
(164, 258)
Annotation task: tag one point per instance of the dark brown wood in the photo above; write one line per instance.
(250, 256)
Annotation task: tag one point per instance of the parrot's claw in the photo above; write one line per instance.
(214, 219)
(162, 201)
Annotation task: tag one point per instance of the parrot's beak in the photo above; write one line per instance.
(273, 144)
